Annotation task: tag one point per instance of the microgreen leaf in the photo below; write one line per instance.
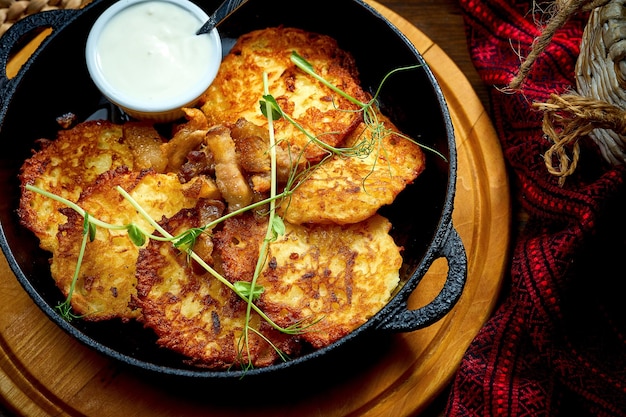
(65, 310)
(248, 290)
(277, 112)
(186, 240)
(278, 227)
(136, 235)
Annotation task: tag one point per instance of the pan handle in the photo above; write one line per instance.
(402, 319)
(21, 32)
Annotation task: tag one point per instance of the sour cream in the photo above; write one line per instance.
(145, 54)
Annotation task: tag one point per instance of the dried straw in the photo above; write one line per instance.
(13, 10)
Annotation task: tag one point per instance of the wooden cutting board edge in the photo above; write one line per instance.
(482, 199)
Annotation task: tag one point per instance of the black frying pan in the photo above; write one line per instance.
(55, 81)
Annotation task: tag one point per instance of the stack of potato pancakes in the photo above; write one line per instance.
(332, 269)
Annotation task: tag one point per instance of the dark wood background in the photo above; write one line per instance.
(442, 22)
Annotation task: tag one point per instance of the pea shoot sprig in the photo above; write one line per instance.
(370, 115)
(89, 234)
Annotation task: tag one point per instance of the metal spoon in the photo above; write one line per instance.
(222, 12)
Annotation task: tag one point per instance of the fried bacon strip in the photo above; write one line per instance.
(228, 175)
(185, 139)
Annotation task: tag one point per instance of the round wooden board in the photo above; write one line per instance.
(45, 372)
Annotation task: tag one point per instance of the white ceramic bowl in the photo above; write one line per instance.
(145, 57)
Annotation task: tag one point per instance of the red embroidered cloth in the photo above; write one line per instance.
(556, 344)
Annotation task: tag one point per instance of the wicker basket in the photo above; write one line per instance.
(601, 71)
(13, 10)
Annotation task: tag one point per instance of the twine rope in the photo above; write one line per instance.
(569, 117)
(564, 10)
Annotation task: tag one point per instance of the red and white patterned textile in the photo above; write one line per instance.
(556, 345)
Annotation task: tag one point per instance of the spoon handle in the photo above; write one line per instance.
(222, 12)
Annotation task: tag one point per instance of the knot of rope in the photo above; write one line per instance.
(569, 117)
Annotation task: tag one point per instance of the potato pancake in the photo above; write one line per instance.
(195, 314)
(339, 275)
(238, 87)
(346, 190)
(64, 167)
(107, 273)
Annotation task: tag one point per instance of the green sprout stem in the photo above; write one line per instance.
(271, 231)
(305, 66)
(84, 214)
(369, 115)
(65, 308)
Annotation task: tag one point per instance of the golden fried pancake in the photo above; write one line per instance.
(346, 190)
(238, 87)
(65, 167)
(196, 315)
(107, 274)
(334, 276)
(339, 275)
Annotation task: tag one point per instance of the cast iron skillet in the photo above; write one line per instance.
(55, 81)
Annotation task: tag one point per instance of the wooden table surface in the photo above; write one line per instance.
(441, 22)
